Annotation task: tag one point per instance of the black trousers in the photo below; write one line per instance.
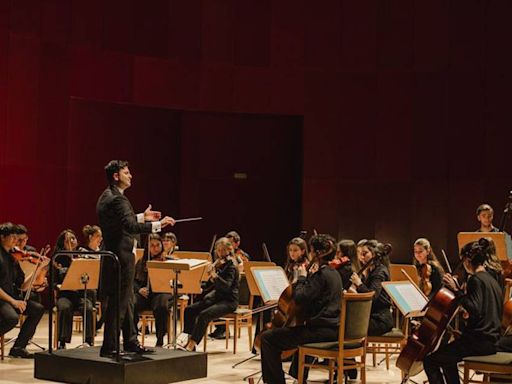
(9, 318)
(159, 303)
(276, 340)
(380, 323)
(199, 315)
(66, 306)
(441, 366)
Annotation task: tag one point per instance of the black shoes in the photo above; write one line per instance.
(139, 349)
(105, 353)
(20, 353)
(219, 335)
(159, 342)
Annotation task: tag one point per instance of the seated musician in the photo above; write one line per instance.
(71, 301)
(11, 304)
(22, 242)
(429, 269)
(241, 257)
(170, 242)
(145, 298)
(319, 291)
(346, 261)
(297, 250)
(381, 320)
(483, 301)
(223, 299)
(485, 216)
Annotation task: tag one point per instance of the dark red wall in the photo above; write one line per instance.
(405, 103)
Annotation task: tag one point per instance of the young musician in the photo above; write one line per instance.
(429, 269)
(22, 236)
(346, 261)
(485, 215)
(11, 304)
(170, 242)
(145, 298)
(71, 301)
(320, 293)
(360, 257)
(120, 224)
(381, 320)
(223, 299)
(483, 300)
(297, 250)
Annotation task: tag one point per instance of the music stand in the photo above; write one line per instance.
(501, 240)
(175, 266)
(82, 274)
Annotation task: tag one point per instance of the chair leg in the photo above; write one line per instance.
(332, 367)
(227, 334)
(205, 338)
(143, 329)
(374, 354)
(236, 325)
(301, 366)
(387, 355)
(249, 330)
(2, 347)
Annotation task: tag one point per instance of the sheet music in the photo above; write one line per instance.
(414, 299)
(271, 282)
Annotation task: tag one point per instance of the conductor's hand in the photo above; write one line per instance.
(167, 220)
(150, 215)
(450, 282)
(20, 305)
(144, 292)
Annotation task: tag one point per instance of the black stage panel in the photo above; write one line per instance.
(84, 365)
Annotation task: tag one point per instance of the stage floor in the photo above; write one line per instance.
(220, 362)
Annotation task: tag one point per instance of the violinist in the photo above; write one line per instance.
(429, 269)
(70, 301)
(483, 300)
(485, 216)
(145, 298)
(170, 242)
(223, 299)
(11, 304)
(360, 257)
(381, 320)
(22, 242)
(319, 291)
(297, 257)
(346, 261)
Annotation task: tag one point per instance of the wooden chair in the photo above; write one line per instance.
(77, 318)
(351, 343)
(389, 343)
(2, 346)
(499, 363)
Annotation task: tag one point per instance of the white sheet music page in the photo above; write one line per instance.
(271, 283)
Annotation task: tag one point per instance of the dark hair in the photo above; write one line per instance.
(21, 229)
(323, 245)
(7, 229)
(154, 236)
(477, 252)
(59, 244)
(348, 248)
(301, 243)
(233, 235)
(484, 207)
(89, 230)
(431, 256)
(379, 250)
(114, 166)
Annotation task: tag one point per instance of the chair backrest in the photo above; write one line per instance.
(355, 316)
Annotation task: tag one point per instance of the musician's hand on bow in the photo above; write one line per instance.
(450, 282)
(167, 220)
(302, 271)
(150, 215)
(144, 292)
(20, 305)
(355, 279)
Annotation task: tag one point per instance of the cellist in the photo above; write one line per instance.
(483, 301)
(319, 291)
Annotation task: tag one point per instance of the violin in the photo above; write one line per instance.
(38, 281)
(338, 263)
(20, 255)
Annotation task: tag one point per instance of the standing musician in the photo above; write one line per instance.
(483, 300)
(429, 269)
(71, 301)
(319, 292)
(223, 299)
(11, 304)
(120, 224)
(485, 215)
(381, 320)
(297, 250)
(170, 242)
(145, 298)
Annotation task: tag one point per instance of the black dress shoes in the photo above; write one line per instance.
(107, 353)
(139, 349)
(20, 353)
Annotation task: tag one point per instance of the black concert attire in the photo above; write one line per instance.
(11, 280)
(159, 303)
(223, 299)
(381, 320)
(436, 278)
(494, 229)
(119, 225)
(321, 295)
(484, 304)
(69, 302)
